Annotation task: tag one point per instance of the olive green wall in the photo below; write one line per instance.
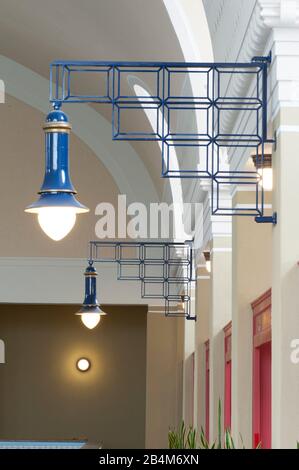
(165, 352)
(44, 396)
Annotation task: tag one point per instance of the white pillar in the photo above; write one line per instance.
(218, 236)
(220, 315)
(189, 367)
(201, 335)
(285, 281)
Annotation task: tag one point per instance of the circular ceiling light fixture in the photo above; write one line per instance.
(83, 364)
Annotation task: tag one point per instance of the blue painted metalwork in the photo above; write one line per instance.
(57, 176)
(267, 219)
(165, 270)
(57, 189)
(90, 303)
(199, 146)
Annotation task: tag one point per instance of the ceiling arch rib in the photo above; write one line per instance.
(189, 22)
(92, 128)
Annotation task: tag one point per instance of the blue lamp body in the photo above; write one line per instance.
(57, 189)
(57, 167)
(90, 303)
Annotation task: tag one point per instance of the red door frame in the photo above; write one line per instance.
(261, 396)
(227, 375)
(207, 389)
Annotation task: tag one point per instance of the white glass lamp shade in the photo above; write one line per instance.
(90, 320)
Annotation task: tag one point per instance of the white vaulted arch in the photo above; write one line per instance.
(190, 24)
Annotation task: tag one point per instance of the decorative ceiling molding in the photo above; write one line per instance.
(245, 39)
(264, 16)
(228, 19)
(279, 13)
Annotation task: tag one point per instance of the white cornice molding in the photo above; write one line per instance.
(251, 40)
(267, 16)
(213, 226)
(279, 13)
(60, 281)
(273, 24)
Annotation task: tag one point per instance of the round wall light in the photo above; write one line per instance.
(83, 364)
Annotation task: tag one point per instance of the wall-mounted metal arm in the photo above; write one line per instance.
(267, 219)
(165, 270)
(178, 92)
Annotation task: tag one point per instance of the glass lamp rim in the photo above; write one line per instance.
(36, 210)
(57, 199)
(85, 310)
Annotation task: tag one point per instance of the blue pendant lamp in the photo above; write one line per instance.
(57, 206)
(91, 311)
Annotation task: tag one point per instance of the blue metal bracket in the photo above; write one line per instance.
(204, 95)
(266, 59)
(267, 219)
(165, 270)
(274, 141)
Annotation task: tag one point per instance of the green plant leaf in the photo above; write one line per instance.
(203, 440)
(191, 438)
(229, 442)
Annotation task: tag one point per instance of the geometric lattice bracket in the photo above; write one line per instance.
(194, 109)
(164, 269)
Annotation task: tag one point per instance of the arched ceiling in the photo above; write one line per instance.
(34, 34)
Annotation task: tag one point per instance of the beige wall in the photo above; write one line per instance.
(251, 276)
(252, 268)
(220, 315)
(44, 396)
(22, 169)
(165, 349)
(285, 281)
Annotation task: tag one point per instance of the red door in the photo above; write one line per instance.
(228, 376)
(207, 391)
(262, 371)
